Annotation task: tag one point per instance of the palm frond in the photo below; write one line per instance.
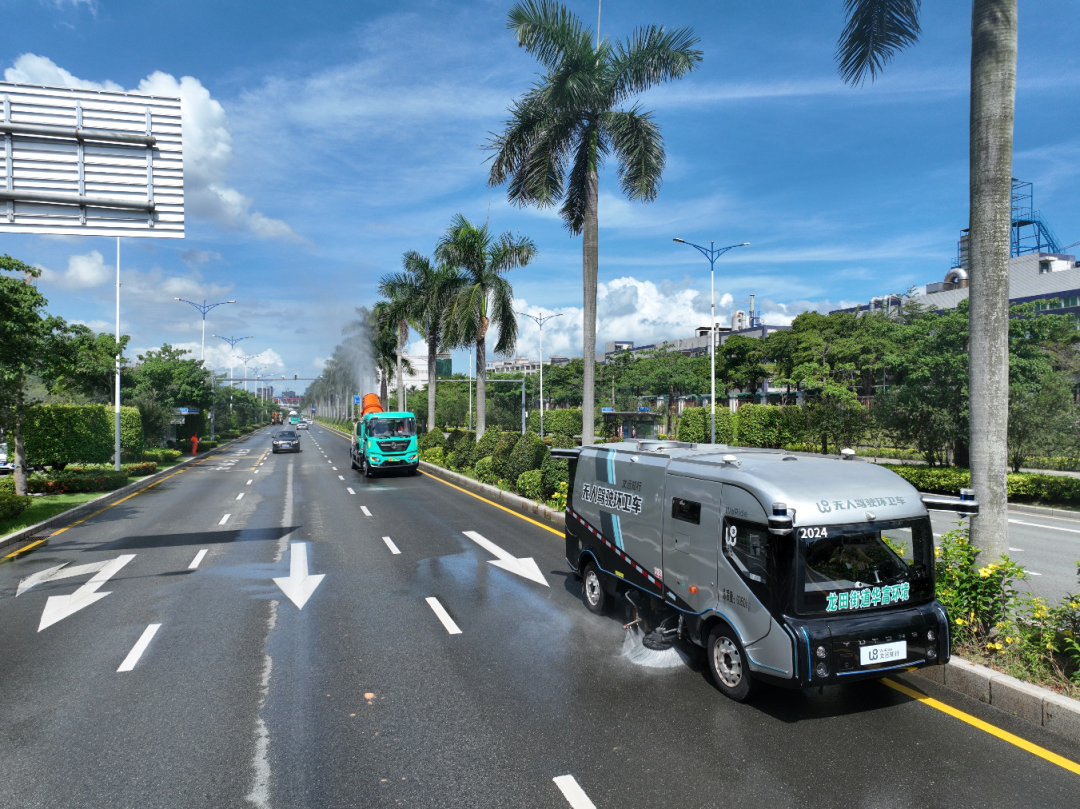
(876, 30)
(639, 147)
(652, 55)
(504, 316)
(547, 30)
(510, 252)
(576, 202)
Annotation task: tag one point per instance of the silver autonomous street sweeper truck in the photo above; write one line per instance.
(795, 570)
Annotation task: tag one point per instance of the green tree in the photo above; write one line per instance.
(875, 30)
(560, 132)
(484, 296)
(423, 290)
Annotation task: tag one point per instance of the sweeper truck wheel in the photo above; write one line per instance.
(727, 662)
(596, 598)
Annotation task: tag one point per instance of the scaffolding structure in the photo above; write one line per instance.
(1029, 233)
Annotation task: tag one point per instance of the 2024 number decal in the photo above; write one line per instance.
(813, 533)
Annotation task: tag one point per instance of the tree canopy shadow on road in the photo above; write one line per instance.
(201, 539)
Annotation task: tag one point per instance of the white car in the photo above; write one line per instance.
(302, 425)
(6, 468)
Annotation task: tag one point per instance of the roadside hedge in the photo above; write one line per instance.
(12, 505)
(70, 482)
(528, 455)
(486, 444)
(500, 458)
(1020, 487)
(566, 421)
(694, 425)
(135, 469)
(431, 440)
(163, 455)
(59, 434)
(530, 485)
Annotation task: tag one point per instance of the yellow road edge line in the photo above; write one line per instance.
(986, 727)
(33, 545)
(471, 494)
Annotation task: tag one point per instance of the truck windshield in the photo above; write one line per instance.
(388, 428)
(854, 568)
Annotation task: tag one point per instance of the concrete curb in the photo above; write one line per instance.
(1031, 703)
(90, 506)
(515, 501)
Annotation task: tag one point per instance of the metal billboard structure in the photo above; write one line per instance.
(90, 162)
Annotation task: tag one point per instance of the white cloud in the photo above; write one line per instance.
(208, 148)
(83, 271)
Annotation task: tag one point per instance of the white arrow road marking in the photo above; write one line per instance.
(573, 792)
(298, 585)
(54, 574)
(390, 544)
(198, 558)
(443, 616)
(525, 567)
(57, 608)
(139, 647)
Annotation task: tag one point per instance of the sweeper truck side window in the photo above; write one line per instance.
(746, 545)
(685, 510)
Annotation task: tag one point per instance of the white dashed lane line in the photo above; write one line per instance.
(350, 491)
(248, 483)
(225, 519)
(1048, 527)
(572, 791)
(240, 496)
(139, 647)
(443, 616)
(341, 477)
(390, 544)
(198, 558)
(365, 510)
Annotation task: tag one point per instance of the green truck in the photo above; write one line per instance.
(383, 440)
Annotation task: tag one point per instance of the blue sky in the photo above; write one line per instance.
(325, 139)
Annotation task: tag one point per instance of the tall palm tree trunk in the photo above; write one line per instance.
(993, 97)
(481, 387)
(400, 379)
(590, 270)
(21, 482)
(432, 347)
(382, 386)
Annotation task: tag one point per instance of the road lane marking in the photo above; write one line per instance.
(225, 519)
(443, 615)
(491, 503)
(993, 730)
(1050, 527)
(140, 647)
(390, 544)
(350, 491)
(240, 496)
(198, 558)
(341, 477)
(1032, 573)
(572, 791)
(335, 468)
(1017, 550)
(248, 483)
(365, 510)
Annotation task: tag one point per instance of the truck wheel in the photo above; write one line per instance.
(596, 598)
(352, 461)
(365, 468)
(727, 662)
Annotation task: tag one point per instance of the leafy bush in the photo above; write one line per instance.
(12, 505)
(430, 440)
(529, 454)
(554, 472)
(695, 425)
(763, 426)
(55, 435)
(69, 482)
(500, 458)
(162, 455)
(557, 501)
(464, 442)
(530, 485)
(486, 444)
(561, 441)
(135, 469)
(1020, 487)
(566, 421)
(484, 472)
(434, 455)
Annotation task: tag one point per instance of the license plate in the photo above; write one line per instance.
(882, 653)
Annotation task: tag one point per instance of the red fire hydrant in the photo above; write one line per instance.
(194, 444)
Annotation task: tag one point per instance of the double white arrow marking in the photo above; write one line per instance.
(298, 585)
(525, 567)
(57, 608)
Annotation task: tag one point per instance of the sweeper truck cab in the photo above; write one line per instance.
(794, 570)
(383, 440)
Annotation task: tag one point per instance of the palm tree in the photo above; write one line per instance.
(568, 122)
(875, 30)
(394, 314)
(425, 290)
(484, 297)
(386, 344)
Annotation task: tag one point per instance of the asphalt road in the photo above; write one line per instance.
(417, 673)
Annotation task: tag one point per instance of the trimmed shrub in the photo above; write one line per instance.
(135, 469)
(56, 435)
(464, 445)
(11, 505)
(434, 455)
(162, 455)
(566, 421)
(561, 441)
(1020, 487)
(761, 426)
(486, 444)
(553, 472)
(131, 432)
(69, 482)
(500, 458)
(484, 472)
(530, 484)
(431, 440)
(695, 426)
(529, 454)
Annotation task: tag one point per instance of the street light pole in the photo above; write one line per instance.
(232, 341)
(540, 320)
(245, 360)
(712, 253)
(203, 307)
